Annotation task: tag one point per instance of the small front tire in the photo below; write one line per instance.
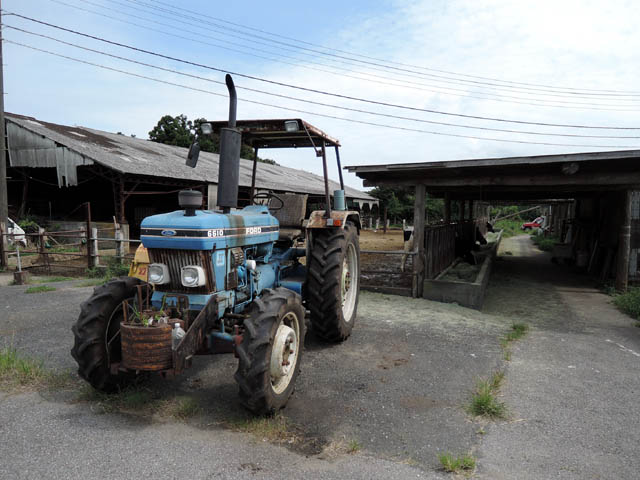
(271, 351)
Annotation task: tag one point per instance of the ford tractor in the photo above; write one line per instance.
(231, 280)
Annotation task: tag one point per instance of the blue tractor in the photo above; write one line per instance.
(230, 280)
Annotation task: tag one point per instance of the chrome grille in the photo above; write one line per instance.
(175, 260)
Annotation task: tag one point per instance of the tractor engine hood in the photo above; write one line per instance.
(208, 230)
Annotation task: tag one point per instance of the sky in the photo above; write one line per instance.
(550, 62)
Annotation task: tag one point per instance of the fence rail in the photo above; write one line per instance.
(88, 247)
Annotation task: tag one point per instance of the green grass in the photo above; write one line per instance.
(20, 371)
(629, 302)
(113, 269)
(354, 446)
(510, 227)
(40, 289)
(518, 330)
(92, 282)
(140, 400)
(545, 244)
(53, 279)
(274, 429)
(131, 399)
(484, 402)
(463, 463)
(183, 408)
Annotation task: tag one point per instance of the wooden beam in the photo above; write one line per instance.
(447, 208)
(533, 180)
(624, 244)
(418, 241)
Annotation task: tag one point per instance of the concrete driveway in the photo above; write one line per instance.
(393, 392)
(572, 386)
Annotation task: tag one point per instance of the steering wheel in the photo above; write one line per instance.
(268, 196)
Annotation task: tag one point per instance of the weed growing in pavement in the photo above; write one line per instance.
(19, 371)
(354, 446)
(460, 464)
(132, 399)
(274, 429)
(182, 408)
(93, 282)
(629, 302)
(484, 402)
(518, 330)
(40, 289)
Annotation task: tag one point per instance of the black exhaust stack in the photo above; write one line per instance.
(230, 144)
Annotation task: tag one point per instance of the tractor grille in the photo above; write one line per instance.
(175, 260)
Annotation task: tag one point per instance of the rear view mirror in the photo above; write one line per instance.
(194, 153)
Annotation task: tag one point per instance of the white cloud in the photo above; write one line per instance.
(570, 43)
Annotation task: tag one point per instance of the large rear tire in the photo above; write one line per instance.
(271, 351)
(97, 334)
(333, 282)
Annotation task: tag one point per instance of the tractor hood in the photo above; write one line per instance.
(208, 230)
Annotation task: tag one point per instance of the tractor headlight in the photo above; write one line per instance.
(158, 274)
(192, 276)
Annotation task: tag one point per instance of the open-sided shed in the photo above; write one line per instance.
(602, 182)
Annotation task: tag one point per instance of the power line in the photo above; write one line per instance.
(369, 63)
(363, 122)
(312, 90)
(390, 61)
(384, 80)
(340, 107)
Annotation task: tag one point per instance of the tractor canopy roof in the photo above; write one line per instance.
(279, 133)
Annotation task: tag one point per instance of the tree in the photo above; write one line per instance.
(399, 202)
(180, 131)
(173, 131)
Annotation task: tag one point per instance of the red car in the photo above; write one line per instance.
(537, 223)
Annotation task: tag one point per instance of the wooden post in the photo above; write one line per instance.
(447, 208)
(462, 204)
(624, 244)
(418, 241)
(384, 222)
(43, 249)
(119, 245)
(88, 236)
(95, 258)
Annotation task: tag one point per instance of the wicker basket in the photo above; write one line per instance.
(146, 348)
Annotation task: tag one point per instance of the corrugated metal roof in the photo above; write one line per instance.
(143, 157)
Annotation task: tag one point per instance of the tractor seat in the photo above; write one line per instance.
(291, 215)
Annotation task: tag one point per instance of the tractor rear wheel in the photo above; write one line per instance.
(97, 334)
(271, 351)
(333, 282)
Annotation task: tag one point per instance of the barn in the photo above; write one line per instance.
(53, 169)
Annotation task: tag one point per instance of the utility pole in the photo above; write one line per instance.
(4, 201)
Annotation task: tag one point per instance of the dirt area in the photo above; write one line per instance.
(392, 240)
(389, 266)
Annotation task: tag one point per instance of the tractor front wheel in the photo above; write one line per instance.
(333, 282)
(270, 351)
(97, 334)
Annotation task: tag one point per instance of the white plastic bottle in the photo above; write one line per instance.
(176, 335)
